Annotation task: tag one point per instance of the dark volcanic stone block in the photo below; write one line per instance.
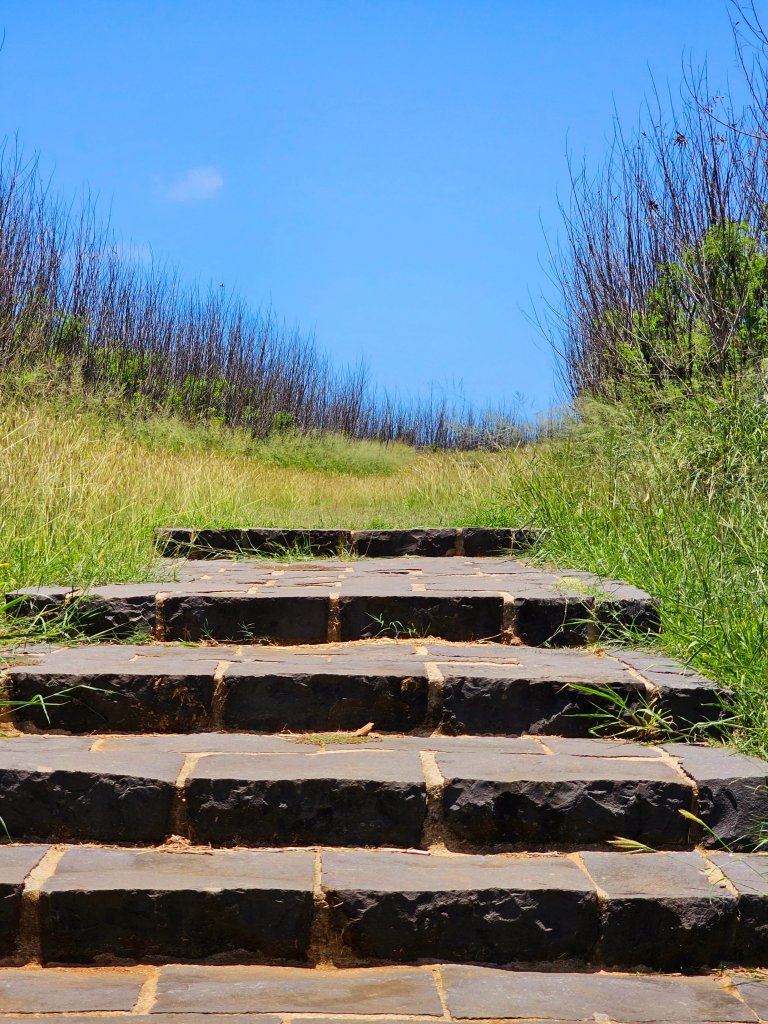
(295, 990)
(396, 906)
(661, 911)
(394, 543)
(552, 618)
(353, 798)
(452, 617)
(687, 696)
(292, 617)
(103, 689)
(494, 699)
(16, 862)
(748, 873)
(268, 700)
(140, 905)
(733, 792)
(37, 600)
(119, 611)
(58, 792)
(541, 800)
(316, 541)
(483, 540)
(483, 993)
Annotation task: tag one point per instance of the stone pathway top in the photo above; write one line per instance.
(335, 600)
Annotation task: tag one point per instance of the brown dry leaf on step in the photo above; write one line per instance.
(365, 730)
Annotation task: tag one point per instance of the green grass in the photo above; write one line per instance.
(674, 500)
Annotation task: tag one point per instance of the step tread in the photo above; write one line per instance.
(482, 688)
(449, 992)
(454, 598)
(472, 792)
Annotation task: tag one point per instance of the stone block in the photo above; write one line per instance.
(105, 905)
(562, 799)
(450, 616)
(271, 698)
(733, 792)
(662, 911)
(481, 541)
(291, 617)
(58, 990)
(16, 862)
(396, 543)
(57, 792)
(748, 873)
(353, 798)
(407, 907)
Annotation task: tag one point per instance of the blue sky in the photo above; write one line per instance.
(376, 171)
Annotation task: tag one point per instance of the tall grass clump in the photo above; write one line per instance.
(74, 308)
(658, 473)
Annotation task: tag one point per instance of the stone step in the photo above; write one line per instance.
(191, 994)
(470, 793)
(400, 686)
(355, 907)
(458, 599)
(664, 911)
(177, 542)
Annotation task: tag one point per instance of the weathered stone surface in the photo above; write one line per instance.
(687, 696)
(476, 993)
(483, 541)
(733, 792)
(755, 995)
(356, 798)
(167, 1018)
(114, 687)
(293, 990)
(562, 799)
(661, 910)
(16, 862)
(285, 697)
(546, 618)
(401, 906)
(55, 791)
(452, 616)
(139, 905)
(500, 699)
(748, 873)
(395, 543)
(57, 990)
(294, 618)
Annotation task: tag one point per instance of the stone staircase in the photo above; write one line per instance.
(198, 835)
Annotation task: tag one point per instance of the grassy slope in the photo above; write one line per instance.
(82, 494)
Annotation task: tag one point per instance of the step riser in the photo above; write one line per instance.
(471, 541)
(470, 705)
(517, 911)
(78, 807)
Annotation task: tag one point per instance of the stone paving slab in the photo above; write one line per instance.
(295, 990)
(246, 995)
(176, 542)
(105, 905)
(400, 686)
(474, 993)
(468, 599)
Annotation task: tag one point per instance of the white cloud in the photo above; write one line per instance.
(198, 184)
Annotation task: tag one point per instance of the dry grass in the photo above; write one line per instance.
(82, 495)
